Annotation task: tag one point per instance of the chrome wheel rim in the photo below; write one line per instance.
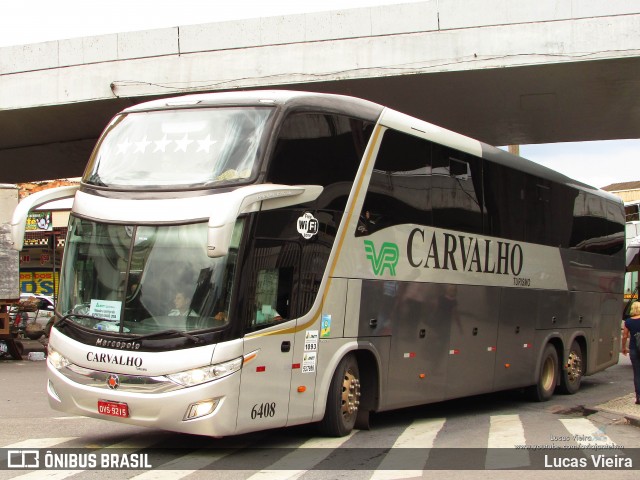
(350, 396)
(574, 367)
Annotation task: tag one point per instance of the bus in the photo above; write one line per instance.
(241, 261)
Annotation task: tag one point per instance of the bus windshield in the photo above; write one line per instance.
(186, 148)
(145, 279)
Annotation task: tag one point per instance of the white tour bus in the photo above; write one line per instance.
(249, 260)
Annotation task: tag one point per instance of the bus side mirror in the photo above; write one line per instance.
(251, 199)
(21, 213)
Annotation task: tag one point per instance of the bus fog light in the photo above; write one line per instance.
(52, 391)
(201, 408)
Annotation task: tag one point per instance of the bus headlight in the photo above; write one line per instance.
(56, 359)
(189, 378)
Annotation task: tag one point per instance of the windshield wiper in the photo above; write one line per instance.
(66, 318)
(193, 338)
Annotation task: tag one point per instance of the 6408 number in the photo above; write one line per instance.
(263, 410)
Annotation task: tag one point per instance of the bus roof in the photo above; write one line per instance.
(366, 110)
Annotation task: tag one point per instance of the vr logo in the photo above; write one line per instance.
(387, 258)
(23, 458)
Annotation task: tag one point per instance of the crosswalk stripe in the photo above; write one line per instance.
(40, 442)
(506, 431)
(420, 434)
(35, 443)
(587, 435)
(194, 461)
(51, 474)
(322, 446)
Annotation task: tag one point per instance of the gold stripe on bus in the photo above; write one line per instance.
(316, 314)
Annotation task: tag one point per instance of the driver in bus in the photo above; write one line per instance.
(183, 308)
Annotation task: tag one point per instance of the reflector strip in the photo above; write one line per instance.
(410, 355)
(454, 352)
(491, 349)
(295, 365)
(250, 356)
(261, 368)
(527, 345)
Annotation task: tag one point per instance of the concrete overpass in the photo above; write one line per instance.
(502, 71)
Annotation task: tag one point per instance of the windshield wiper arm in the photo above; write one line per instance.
(193, 338)
(66, 318)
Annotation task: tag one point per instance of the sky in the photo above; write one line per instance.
(31, 21)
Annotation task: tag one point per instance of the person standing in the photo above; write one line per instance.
(631, 329)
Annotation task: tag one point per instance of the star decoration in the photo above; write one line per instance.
(124, 146)
(183, 143)
(142, 145)
(205, 145)
(161, 145)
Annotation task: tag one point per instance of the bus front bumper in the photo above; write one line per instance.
(206, 409)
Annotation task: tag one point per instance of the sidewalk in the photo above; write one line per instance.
(622, 406)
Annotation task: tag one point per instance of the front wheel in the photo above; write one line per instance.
(573, 370)
(343, 399)
(547, 376)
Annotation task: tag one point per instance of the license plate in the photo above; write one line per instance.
(114, 409)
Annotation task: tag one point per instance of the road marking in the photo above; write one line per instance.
(420, 434)
(587, 435)
(40, 442)
(322, 449)
(62, 474)
(190, 463)
(506, 431)
(43, 443)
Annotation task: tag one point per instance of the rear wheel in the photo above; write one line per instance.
(547, 376)
(572, 370)
(343, 399)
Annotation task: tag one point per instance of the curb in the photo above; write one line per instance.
(627, 403)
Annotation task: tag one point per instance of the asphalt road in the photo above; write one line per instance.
(28, 422)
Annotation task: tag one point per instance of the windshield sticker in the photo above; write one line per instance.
(307, 225)
(107, 309)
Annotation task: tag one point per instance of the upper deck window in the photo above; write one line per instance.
(179, 148)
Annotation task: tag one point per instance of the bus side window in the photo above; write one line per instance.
(398, 190)
(273, 295)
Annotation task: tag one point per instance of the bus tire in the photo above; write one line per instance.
(572, 370)
(547, 376)
(343, 399)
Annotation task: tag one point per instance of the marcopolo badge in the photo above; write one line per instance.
(307, 225)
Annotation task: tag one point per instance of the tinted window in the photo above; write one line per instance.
(320, 149)
(398, 191)
(504, 195)
(456, 190)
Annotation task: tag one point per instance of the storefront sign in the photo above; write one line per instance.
(39, 222)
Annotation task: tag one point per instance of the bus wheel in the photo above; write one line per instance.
(547, 376)
(572, 371)
(343, 399)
